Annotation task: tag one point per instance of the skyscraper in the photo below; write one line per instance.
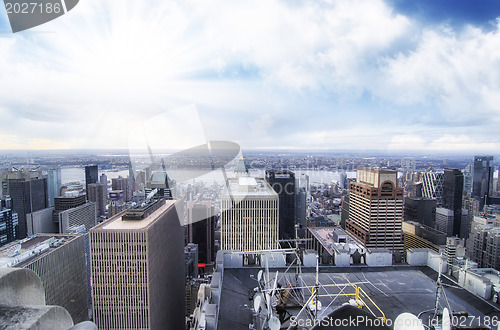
(483, 243)
(201, 230)
(27, 196)
(445, 220)
(103, 179)
(91, 176)
(97, 193)
(301, 195)
(8, 221)
(283, 183)
(432, 186)
(249, 218)
(468, 180)
(482, 180)
(53, 185)
(421, 210)
(376, 209)
(498, 180)
(453, 188)
(137, 262)
(123, 184)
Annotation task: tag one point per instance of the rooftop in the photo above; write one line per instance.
(117, 222)
(247, 186)
(328, 237)
(387, 287)
(19, 253)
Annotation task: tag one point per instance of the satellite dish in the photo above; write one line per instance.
(256, 303)
(446, 324)
(274, 323)
(259, 275)
(408, 321)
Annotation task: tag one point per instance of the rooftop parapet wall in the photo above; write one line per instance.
(22, 303)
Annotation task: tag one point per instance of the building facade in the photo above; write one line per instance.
(98, 193)
(91, 176)
(283, 183)
(8, 221)
(72, 218)
(453, 188)
(54, 184)
(201, 230)
(419, 236)
(137, 267)
(482, 180)
(376, 209)
(27, 196)
(432, 186)
(59, 261)
(483, 244)
(249, 218)
(124, 184)
(421, 210)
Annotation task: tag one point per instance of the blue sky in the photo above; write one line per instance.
(338, 74)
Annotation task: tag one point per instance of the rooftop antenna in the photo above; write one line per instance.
(440, 289)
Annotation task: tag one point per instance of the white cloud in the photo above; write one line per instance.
(109, 64)
(305, 45)
(462, 142)
(458, 73)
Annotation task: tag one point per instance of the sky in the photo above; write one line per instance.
(338, 74)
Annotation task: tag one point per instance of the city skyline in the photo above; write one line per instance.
(363, 75)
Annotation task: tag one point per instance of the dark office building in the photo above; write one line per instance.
(453, 188)
(91, 176)
(201, 230)
(482, 180)
(27, 196)
(68, 202)
(421, 210)
(283, 183)
(344, 211)
(8, 222)
(97, 193)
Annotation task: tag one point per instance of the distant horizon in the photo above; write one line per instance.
(395, 153)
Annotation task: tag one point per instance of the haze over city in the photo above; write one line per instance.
(377, 75)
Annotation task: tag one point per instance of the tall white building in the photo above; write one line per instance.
(249, 219)
(137, 263)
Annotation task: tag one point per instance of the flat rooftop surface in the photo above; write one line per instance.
(31, 249)
(324, 236)
(116, 222)
(248, 186)
(394, 289)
